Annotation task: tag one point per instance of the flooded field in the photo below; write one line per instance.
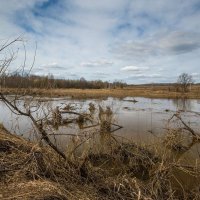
(142, 119)
(142, 137)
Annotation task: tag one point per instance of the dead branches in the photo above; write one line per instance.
(185, 126)
(40, 129)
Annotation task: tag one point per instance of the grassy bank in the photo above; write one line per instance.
(134, 91)
(126, 171)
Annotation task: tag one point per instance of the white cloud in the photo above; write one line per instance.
(147, 75)
(167, 43)
(134, 69)
(53, 65)
(99, 63)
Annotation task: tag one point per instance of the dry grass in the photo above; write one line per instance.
(136, 91)
(124, 171)
(29, 171)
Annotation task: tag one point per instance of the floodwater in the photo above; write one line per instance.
(142, 119)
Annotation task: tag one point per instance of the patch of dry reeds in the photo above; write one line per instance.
(124, 171)
(131, 91)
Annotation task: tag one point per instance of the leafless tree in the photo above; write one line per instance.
(29, 107)
(184, 81)
(45, 118)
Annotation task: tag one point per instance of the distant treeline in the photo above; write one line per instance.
(32, 81)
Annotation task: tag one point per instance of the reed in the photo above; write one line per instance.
(121, 171)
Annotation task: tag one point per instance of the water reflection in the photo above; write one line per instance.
(142, 121)
(182, 104)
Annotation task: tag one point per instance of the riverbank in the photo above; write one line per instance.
(134, 91)
(34, 171)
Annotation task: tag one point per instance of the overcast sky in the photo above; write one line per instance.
(136, 41)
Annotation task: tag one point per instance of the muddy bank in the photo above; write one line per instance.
(34, 171)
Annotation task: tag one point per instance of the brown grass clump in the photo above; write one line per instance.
(29, 171)
(125, 171)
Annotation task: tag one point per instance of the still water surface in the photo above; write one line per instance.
(142, 120)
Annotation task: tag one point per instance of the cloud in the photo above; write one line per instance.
(53, 66)
(146, 76)
(179, 42)
(134, 69)
(149, 78)
(99, 63)
(100, 75)
(172, 43)
(133, 50)
(50, 68)
(195, 74)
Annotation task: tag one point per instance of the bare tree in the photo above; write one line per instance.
(45, 118)
(184, 81)
(28, 109)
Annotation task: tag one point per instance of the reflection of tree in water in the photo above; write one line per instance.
(182, 104)
(198, 101)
